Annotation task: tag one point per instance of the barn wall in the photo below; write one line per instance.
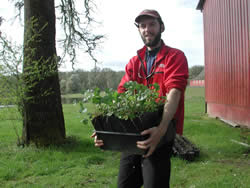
(227, 59)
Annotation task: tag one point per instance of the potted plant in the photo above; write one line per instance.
(118, 118)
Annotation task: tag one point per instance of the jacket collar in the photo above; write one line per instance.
(161, 54)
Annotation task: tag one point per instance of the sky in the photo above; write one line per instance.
(183, 30)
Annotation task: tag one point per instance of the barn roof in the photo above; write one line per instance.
(200, 5)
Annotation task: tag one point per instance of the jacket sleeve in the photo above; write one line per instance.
(176, 73)
(177, 69)
(128, 76)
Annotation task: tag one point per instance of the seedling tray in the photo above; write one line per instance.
(122, 142)
(122, 135)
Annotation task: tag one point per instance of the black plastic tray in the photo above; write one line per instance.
(123, 142)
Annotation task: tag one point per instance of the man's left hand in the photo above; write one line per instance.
(155, 135)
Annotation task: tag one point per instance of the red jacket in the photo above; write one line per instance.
(170, 70)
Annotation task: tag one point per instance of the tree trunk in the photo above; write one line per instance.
(43, 121)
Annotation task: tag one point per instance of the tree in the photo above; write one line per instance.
(195, 71)
(83, 76)
(1, 19)
(63, 86)
(73, 84)
(43, 120)
(93, 81)
(11, 90)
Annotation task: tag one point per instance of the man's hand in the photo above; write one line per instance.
(98, 143)
(155, 135)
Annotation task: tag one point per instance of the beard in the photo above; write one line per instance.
(153, 42)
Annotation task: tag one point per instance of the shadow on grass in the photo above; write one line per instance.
(95, 156)
(203, 157)
(76, 144)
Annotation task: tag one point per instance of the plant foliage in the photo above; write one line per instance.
(136, 100)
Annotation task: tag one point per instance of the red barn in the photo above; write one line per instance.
(197, 83)
(227, 59)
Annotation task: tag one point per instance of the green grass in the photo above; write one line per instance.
(73, 95)
(221, 164)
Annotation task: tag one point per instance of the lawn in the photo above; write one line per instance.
(222, 163)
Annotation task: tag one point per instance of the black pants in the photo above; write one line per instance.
(152, 172)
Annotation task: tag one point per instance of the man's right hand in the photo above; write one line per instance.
(98, 143)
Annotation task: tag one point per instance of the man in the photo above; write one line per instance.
(154, 63)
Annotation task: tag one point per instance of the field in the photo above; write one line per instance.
(222, 162)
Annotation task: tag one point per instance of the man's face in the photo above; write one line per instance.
(150, 31)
